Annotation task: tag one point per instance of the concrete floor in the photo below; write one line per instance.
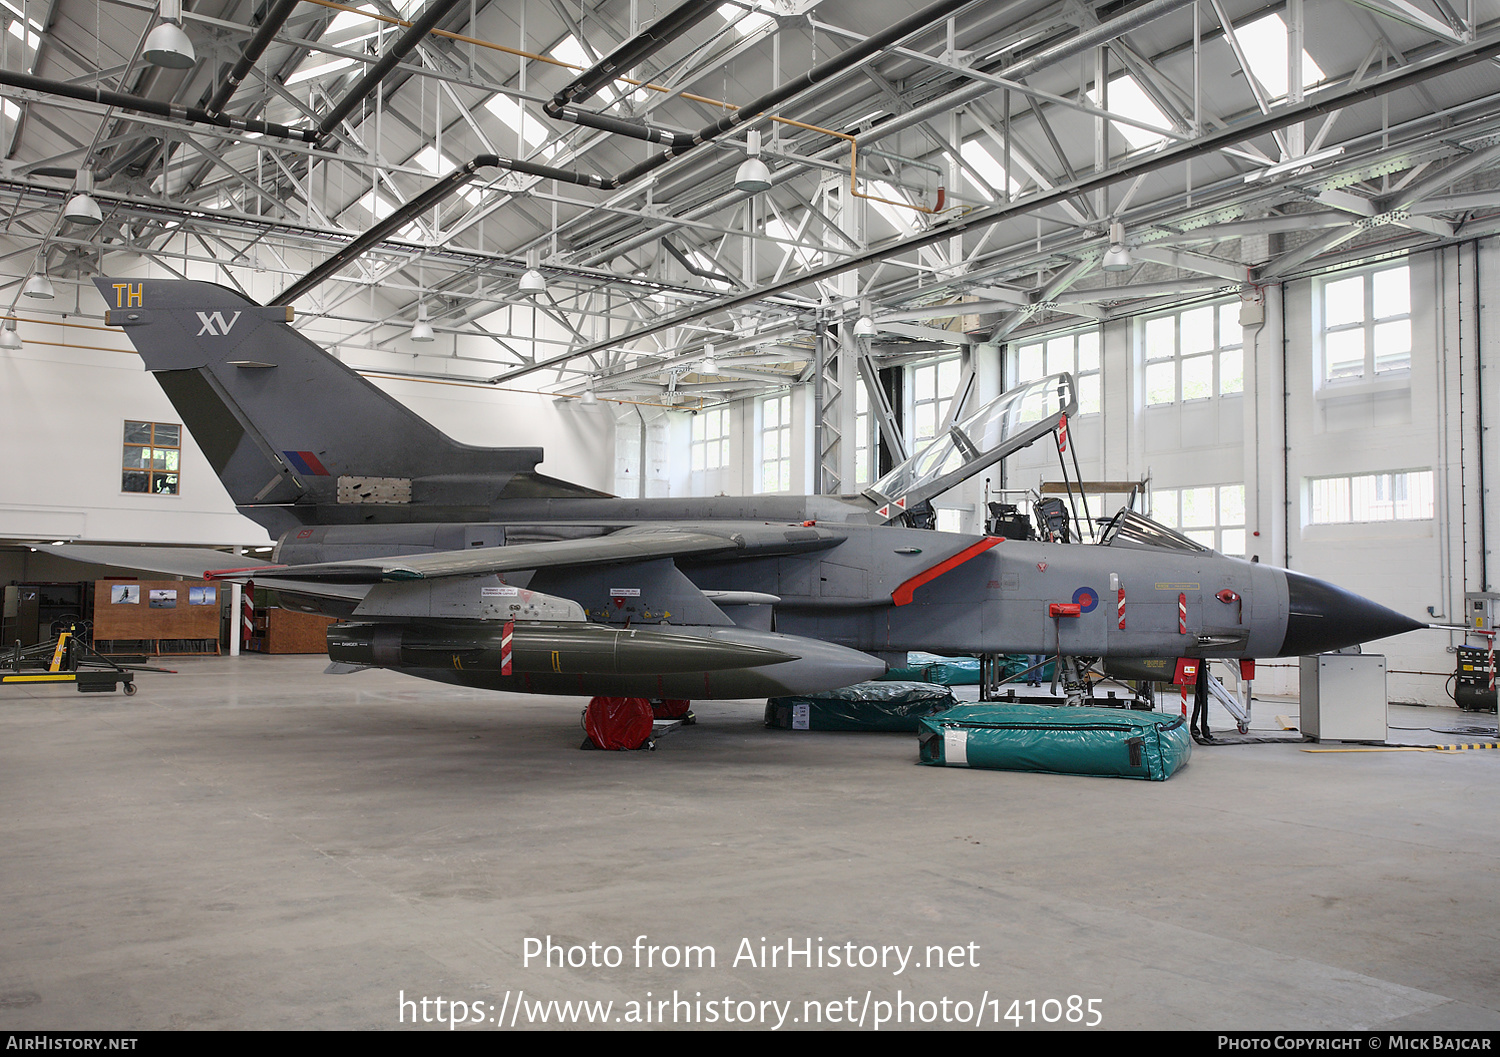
(252, 844)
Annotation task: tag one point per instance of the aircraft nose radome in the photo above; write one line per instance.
(1322, 617)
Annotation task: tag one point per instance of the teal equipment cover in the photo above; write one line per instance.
(878, 706)
(1059, 740)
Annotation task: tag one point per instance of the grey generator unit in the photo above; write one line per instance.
(1343, 697)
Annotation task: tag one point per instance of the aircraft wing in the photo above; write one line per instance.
(195, 562)
(619, 549)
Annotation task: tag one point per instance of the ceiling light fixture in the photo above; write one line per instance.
(1117, 257)
(533, 282)
(9, 337)
(864, 327)
(709, 364)
(421, 330)
(753, 175)
(589, 399)
(39, 287)
(81, 208)
(167, 45)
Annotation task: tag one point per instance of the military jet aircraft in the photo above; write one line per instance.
(466, 565)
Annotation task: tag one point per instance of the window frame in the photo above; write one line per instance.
(1216, 353)
(171, 453)
(783, 430)
(1350, 480)
(1043, 342)
(1367, 325)
(1219, 525)
(700, 444)
(866, 448)
(941, 404)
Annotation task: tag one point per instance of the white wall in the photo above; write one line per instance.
(62, 417)
(62, 414)
(579, 441)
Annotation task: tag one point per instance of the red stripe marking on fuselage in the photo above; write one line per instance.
(902, 595)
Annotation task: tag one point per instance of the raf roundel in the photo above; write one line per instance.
(1086, 598)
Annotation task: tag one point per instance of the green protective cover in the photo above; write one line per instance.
(1059, 740)
(931, 668)
(962, 671)
(877, 706)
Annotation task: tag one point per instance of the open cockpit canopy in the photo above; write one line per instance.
(1006, 424)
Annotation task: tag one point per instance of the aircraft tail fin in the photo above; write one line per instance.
(292, 431)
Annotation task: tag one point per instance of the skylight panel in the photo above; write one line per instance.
(1264, 44)
(985, 165)
(27, 32)
(904, 220)
(20, 17)
(531, 130)
(1127, 98)
(307, 73)
(780, 229)
(347, 20)
(437, 164)
(351, 27)
(744, 22)
(571, 51)
(379, 207)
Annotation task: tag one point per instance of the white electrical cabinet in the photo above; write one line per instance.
(1343, 697)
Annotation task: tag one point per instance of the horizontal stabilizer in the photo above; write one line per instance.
(171, 561)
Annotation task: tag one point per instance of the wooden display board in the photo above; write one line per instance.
(156, 609)
(287, 631)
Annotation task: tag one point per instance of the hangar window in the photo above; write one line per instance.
(932, 386)
(1077, 354)
(1366, 324)
(776, 444)
(864, 437)
(711, 439)
(153, 454)
(1194, 354)
(1213, 515)
(1404, 495)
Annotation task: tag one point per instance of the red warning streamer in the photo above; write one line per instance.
(247, 614)
(1120, 607)
(505, 640)
(1181, 614)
